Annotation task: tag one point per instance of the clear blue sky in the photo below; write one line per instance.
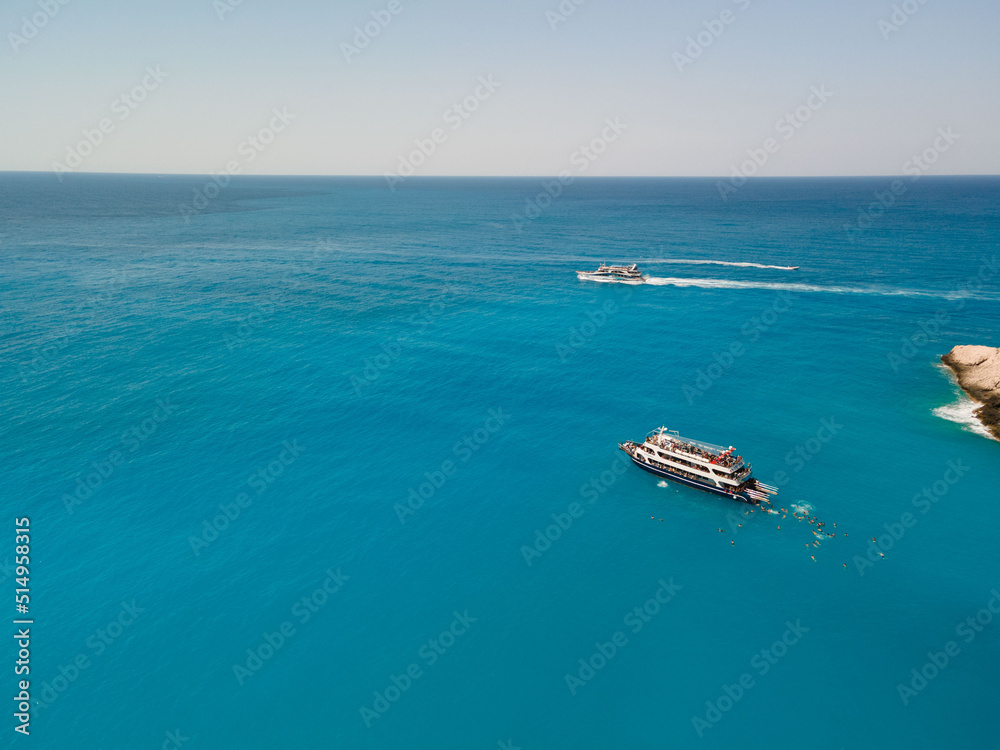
(608, 59)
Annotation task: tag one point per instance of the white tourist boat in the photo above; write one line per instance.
(703, 466)
(615, 274)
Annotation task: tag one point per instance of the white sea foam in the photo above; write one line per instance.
(739, 264)
(963, 412)
(792, 287)
(662, 483)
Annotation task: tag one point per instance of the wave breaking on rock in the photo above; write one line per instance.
(977, 369)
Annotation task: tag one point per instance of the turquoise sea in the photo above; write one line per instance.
(310, 463)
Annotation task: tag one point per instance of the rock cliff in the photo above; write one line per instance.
(978, 372)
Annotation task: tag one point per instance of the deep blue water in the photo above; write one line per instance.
(304, 352)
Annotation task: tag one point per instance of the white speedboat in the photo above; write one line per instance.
(615, 274)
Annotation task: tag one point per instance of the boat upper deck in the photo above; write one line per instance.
(700, 451)
(632, 271)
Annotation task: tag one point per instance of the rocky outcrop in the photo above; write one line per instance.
(978, 372)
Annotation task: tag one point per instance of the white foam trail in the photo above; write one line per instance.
(791, 287)
(694, 262)
(662, 483)
(963, 412)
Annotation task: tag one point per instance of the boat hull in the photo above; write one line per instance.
(657, 471)
(608, 279)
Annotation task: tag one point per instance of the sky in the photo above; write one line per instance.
(593, 87)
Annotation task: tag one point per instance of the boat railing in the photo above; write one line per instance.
(686, 449)
(664, 461)
(624, 270)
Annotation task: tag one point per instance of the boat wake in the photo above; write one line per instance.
(738, 264)
(794, 287)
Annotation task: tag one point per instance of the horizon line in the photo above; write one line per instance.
(908, 177)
